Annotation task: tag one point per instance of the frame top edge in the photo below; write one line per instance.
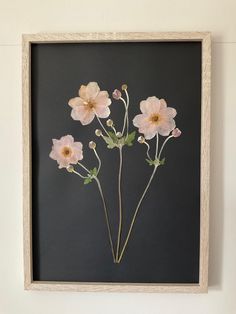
(114, 36)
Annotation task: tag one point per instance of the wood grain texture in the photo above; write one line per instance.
(203, 37)
(205, 161)
(26, 97)
(100, 37)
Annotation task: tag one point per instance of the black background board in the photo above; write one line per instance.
(70, 241)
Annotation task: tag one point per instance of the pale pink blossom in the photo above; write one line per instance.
(91, 102)
(176, 132)
(66, 151)
(155, 118)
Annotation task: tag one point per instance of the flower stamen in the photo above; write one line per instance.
(155, 118)
(66, 152)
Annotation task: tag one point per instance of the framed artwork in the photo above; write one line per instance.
(116, 130)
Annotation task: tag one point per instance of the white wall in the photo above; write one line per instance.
(30, 16)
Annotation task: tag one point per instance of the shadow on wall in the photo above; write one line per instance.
(217, 170)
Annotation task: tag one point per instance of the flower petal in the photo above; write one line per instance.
(78, 145)
(82, 92)
(102, 112)
(163, 104)
(92, 90)
(165, 128)
(76, 101)
(150, 105)
(82, 114)
(149, 131)
(63, 163)
(170, 112)
(103, 99)
(140, 119)
(53, 154)
(66, 140)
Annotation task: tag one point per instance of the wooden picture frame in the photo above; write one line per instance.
(204, 38)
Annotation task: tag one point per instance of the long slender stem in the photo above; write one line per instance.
(78, 174)
(99, 160)
(157, 140)
(148, 148)
(99, 121)
(127, 113)
(120, 204)
(125, 116)
(81, 165)
(136, 212)
(163, 145)
(106, 218)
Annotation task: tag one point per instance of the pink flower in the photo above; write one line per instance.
(116, 94)
(155, 118)
(66, 151)
(91, 102)
(176, 132)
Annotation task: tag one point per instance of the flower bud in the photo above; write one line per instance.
(141, 139)
(118, 134)
(92, 145)
(70, 168)
(98, 132)
(109, 123)
(116, 94)
(124, 87)
(176, 132)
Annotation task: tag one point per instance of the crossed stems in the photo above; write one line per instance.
(125, 126)
(95, 177)
(116, 256)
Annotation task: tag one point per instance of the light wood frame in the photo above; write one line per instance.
(204, 38)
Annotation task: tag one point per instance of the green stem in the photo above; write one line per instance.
(100, 122)
(99, 160)
(135, 214)
(125, 116)
(106, 218)
(147, 152)
(78, 174)
(127, 113)
(81, 165)
(163, 145)
(120, 204)
(157, 140)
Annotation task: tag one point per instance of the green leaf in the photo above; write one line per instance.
(94, 172)
(156, 162)
(87, 180)
(150, 162)
(114, 141)
(113, 136)
(130, 138)
(109, 141)
(162, 162)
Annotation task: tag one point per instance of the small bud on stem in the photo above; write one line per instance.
(176, 132)
(141, 139)
(92, 145)
(109, 123)
(98, 132)
(70, 168)
(116, 94)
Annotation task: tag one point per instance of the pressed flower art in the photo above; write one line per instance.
(153, 127)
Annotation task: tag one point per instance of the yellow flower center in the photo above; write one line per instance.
(90, 104)
(155, 118)
(66, 152)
